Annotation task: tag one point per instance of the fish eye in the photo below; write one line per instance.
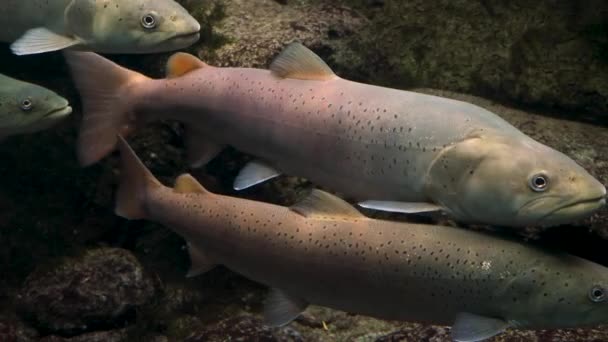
(27, 104)
(539, 182)
(597, 294)
(148, 21)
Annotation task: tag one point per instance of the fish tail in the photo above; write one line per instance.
(135, 183)
(106, 102)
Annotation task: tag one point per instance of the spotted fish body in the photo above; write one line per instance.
(364, 141)
(323, 251)
(107, 26)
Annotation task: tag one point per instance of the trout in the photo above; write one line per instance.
(28, 108)
(388, 149)
(108, 26)
(322, 251)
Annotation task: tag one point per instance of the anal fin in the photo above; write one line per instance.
(401, 207)
(255, 172)
(280, 308)
(199, 261)
(471, 328)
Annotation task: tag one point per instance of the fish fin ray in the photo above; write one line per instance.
(186, 184)
(135, 181)
(181, 63)
(255, 172)
(200, 150)
(41, 40)
(105, 89)
(321, 203)
(200, 262)
(401, 207)
(280, 308)
(298, 62)
(470, 328)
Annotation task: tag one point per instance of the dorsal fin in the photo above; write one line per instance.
(187, 184)
(321, 203)
(182, 63)
(297, 61)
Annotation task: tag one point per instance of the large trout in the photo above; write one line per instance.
(390, 149)
(323, 251)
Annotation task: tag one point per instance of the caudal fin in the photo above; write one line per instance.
(135, 182)
(105, 90)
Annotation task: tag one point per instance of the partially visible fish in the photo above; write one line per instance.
(28, 108)
(389, 149)
(323, 251)
(108, 26)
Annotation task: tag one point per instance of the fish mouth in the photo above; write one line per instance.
(573, 211)
(57, 113)
(186, 37)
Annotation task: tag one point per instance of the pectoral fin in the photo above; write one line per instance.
(199, 261)
(470, 328)
(401, 207)
(40, 40)
(254, 173)
(280, 308)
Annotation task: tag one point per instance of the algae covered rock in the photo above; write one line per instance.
(550, 54)
(11, 329)
(98, 336)
(257, 30)
(81, 294)
(418, 332)
(244, 328)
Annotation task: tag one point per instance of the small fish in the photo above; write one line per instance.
(28, 108)
(322, 251)
(109, 26)
(389, 149)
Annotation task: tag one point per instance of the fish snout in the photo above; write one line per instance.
(576, 210)
(189, 26)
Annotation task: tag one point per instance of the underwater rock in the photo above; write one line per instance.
(257, 30)
(12, 330)
(98, 336)
(244, 328)
(544, 53)
(82, 294)
(418, 332)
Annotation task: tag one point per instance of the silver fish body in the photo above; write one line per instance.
(322, 251)
(395, 148)
(110, 26)
(28, 108)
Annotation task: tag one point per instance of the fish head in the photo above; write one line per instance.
(28, 108)
(574, 293)
(133, 26)
(515, 183)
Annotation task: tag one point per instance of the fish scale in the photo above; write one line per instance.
(388, 149)
(322, 251)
